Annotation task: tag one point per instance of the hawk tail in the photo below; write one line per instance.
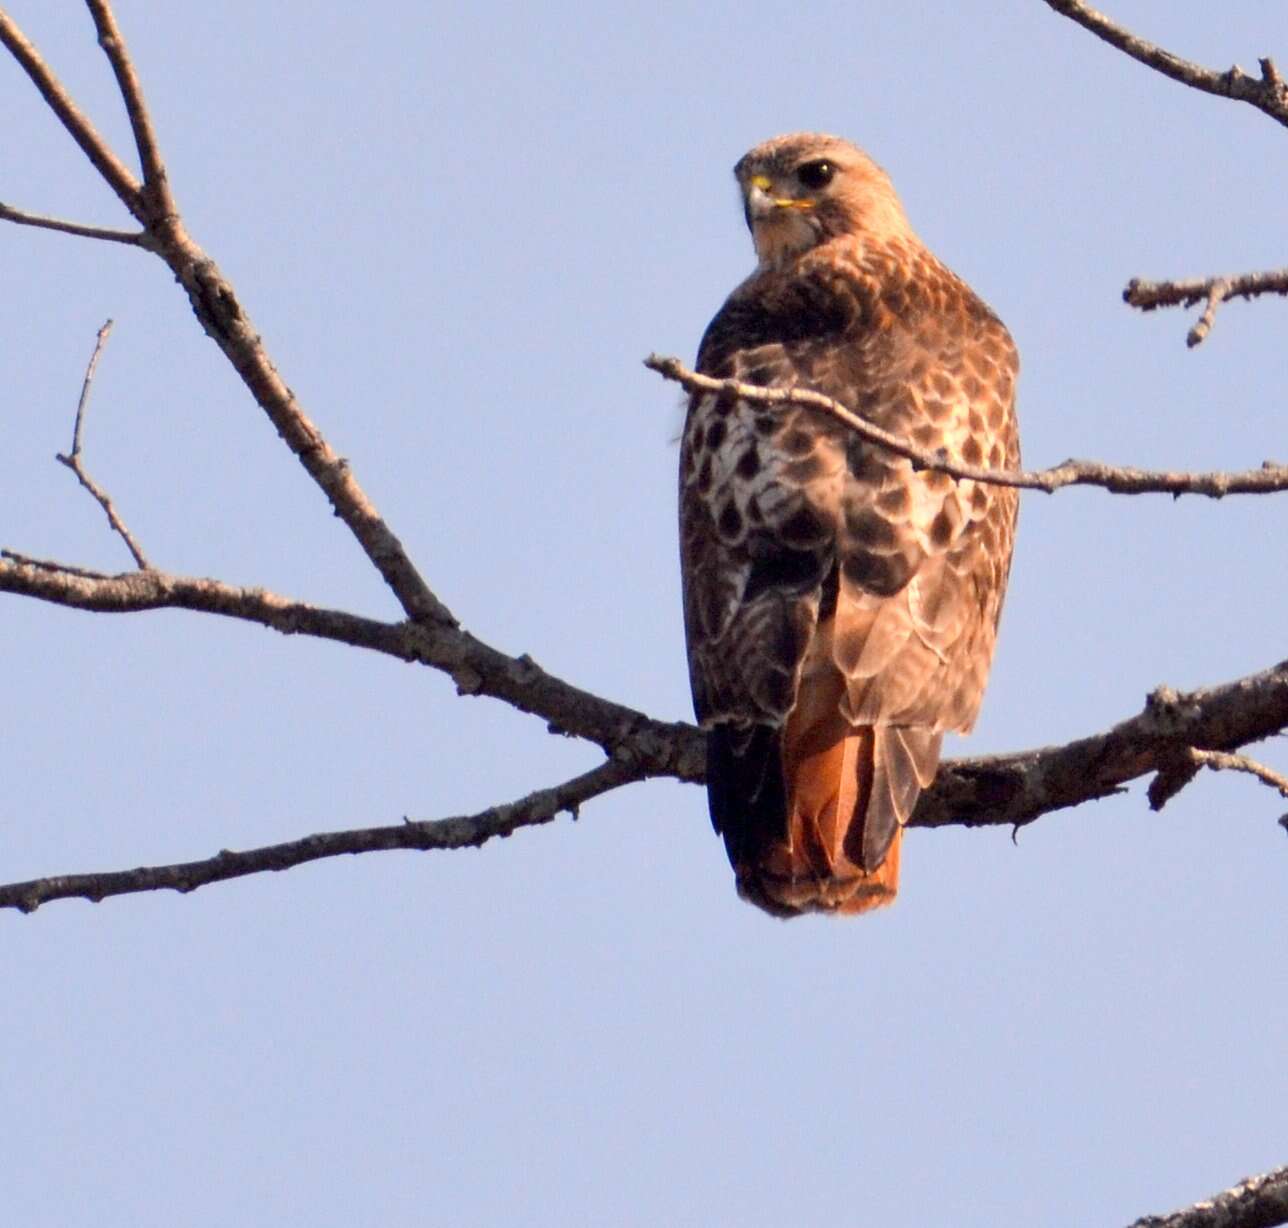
(824, 835)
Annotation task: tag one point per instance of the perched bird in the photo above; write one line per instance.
(840, 608)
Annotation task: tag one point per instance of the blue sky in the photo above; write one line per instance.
(459, 232)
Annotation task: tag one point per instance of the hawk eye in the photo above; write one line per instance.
(815, 175)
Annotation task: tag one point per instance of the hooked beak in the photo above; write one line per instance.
(759, 204)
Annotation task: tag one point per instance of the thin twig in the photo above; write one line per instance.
(54, 567)
(1217, 295)
(1223, 761)
(1182, 767)
(86, 384)
(156, 183)
(135, 238)
(1256, 1202)
(1267, 93)
(1213, 291)
(467, 831)
(1119, 480)
(73, 460)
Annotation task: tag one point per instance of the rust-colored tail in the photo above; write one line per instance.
(827, 838)
(829, 788)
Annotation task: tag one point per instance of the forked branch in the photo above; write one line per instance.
(1210, 291)
(115, 173)
(1268, 93)
(215, 302)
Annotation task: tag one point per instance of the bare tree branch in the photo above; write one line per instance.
(1118, 480)
(73, 459)
(1267, 93)
(1007, 790)
(78, 426)
(135, 238)
(468, 831)
(156, 183)
(663, 748)
(68, 570)
(1222, 761)
(117, 175)
(1212, 291)
(1256, 1202)
(216, 306)
(1188, 762)
(1018, 788)
(1218, 292)
(1174, 737)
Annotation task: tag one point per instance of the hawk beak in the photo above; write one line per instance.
(758, 204)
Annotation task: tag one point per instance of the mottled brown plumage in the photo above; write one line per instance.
(840, 609)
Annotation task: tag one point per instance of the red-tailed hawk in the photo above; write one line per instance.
(840, 608)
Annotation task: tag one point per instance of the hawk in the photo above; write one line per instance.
(840, 607)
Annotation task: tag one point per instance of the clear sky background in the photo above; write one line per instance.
(459, 230)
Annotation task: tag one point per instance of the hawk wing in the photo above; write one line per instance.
(841, 608)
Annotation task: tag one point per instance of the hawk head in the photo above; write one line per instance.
(801, 190)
